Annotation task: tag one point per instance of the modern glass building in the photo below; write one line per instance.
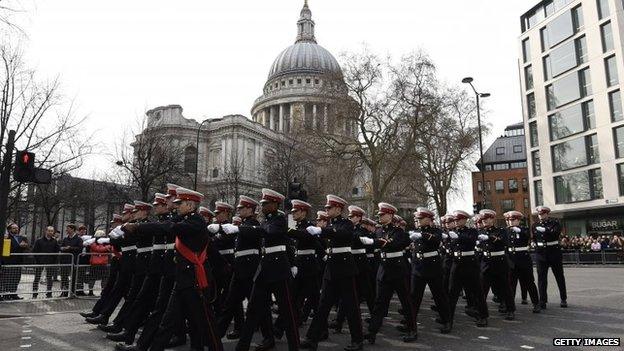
(571, 65)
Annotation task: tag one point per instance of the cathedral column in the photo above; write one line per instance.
(281, 118)
(314, 117)
(291, 118)
(325, 118)
(271, 122)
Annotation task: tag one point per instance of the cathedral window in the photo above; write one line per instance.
(316, 81)
(299, 81)
(290, 82)
(283, 83)
(308, 81)
(190, 159)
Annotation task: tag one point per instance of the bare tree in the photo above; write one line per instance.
(232, 179)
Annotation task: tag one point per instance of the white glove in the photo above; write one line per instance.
(294, 271)
(116, 233)
(483, 237)
(113, 235)
(540, 229)
(86, 237)
(88, 242)
(415, 235)
(444, 236)
(453, 235)
(516, 229)
(314, 230)
(213, 228)
(229, 228)
(366, 241)
(103, 241)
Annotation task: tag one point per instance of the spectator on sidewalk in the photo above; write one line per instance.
(71, 244)
(47, 244)
(595, 246)
(11, 265)
(100, 252)
(83, 262)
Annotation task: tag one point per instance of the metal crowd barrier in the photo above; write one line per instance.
(90, 278)
(35, 276)
(578, 257)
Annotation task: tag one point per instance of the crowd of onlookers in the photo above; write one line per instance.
(593, 243)
(87, 251)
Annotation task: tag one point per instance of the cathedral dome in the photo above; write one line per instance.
(304, 57)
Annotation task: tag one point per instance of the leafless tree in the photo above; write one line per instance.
(231, 185)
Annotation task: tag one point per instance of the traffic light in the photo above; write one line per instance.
(24, 166)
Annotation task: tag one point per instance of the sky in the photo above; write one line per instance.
(117, 59)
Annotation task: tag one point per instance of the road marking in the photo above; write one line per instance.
(483, 337)
(26, 331)
(527, 347)
(24, 346)
(26, 337)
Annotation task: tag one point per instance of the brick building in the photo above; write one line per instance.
(506, 175)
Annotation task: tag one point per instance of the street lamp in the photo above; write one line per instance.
(469, 80)
(197, 153)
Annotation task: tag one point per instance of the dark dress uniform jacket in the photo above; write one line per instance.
(143, 258)
(156, 231)
(307, 265)
(192, 232)
(273, 232)
(553, 230)
(429, 242)
(339, 233)
(496, 242)
(245, 267)
(398, 240)
(515, 240)
(466, 239)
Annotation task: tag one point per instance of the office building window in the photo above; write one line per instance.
(572, 120)
(611, 70)
(488, 167)
(517, 149)
(539, 196)
(526, 50)
(537, 166)
(565, 57)
(533, 134)
(578, 186)
(620, 173)
(528, 77)
(531, 105)
(568, 88)
(618, 141)
(488, 186)
(525, 185)
(615, 106)
(512, 185)
(508, 205)
(515, 165)
(526, 203)
(499, 186)
(500, 150)
(575, 153)
(558, 30)
(607, 37)
(500, 166)
(479, 187)
(603, 8)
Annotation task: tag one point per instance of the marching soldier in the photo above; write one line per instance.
(546, 234)
(372, 255)
(427, 266)
(273, 274)
(362, 279)
(521, 269)
(448, 222)
(338, 279)
(465, 269)
(392, 275)
(191, 278)
(494, 267)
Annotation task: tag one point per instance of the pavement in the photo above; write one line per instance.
(595, 298)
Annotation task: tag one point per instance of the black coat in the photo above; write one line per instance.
(552, 233)
(522, 239)
(307, 265)
(75, 247)
(192, 232)
(496, 242)
(429, 242)
(45, 245)
(245, 267)
(396, 241)
(339, 233)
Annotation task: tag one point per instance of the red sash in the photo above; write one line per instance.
(197, 260)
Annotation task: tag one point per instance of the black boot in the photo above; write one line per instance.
(99, 319)
(88, 314)
(122, 336)
(482, 322)
(125, 347)
(543, 305)
(563, 304)
(536, 308)
(266, 344)
(354, 346)
(113, 328)
(307, 344)
(510, 316)
(370, 337)
(402, 329)
(524, 302)
(446, 328)
(410, 337)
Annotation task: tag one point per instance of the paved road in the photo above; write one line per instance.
(596, 297)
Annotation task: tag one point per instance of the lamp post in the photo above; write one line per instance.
(197, 152)
(469, 80)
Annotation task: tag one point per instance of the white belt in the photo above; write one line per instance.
(128, 248)
(495, 253)
(272, 249)
(306, 252)
(377, 250)
(549, 243)
(463, 253)
(339, 250)
(427, 254)
(518, 248)
(370, 255)
(358, 251)
(170, 246)
(246, 252)
(227, 252)
(392, 254)
(159, 246)
(144, 249)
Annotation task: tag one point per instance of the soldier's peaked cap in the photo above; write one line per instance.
(356, 211)
(300, 205)
(159, 198)
(142, 206)
(270, 195)
(542, 209)
(246, 201)
(171, 189)
(205, 211)
(423, 212)
(513, 215)
(184, 194)
(385, 207)
(459, 214)
(127, 208)
(335, 201)
(223, 206)
(487, 213)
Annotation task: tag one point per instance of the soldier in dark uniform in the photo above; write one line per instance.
(465, 269)
(273, 275)
(148, 293)
(521, 266)
(362, 279)
(338, 279)
(372, 255)
(247, 258)
(448, 224)
(393, 275)
(191, 276)
(427, 266)
(494, 265)
(126, 271)
(546, 234)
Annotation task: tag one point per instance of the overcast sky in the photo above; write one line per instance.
(119, 58)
